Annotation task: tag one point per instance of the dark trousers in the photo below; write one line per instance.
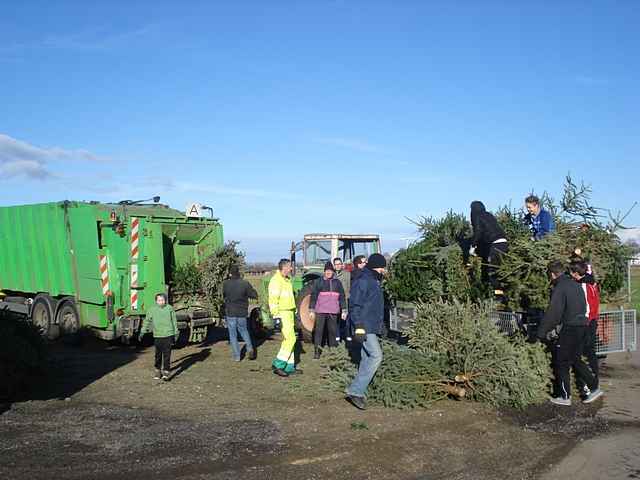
(163, 353)
(566, 353)
(496, 252)
(589, 352)
(330, 322)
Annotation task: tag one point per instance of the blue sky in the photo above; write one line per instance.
(294, 117)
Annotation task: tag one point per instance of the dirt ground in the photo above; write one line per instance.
(100, 415)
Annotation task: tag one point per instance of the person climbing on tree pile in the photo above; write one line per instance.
(489, 241)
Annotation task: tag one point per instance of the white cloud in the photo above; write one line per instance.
(629, 234)
(95, 39)
(18, 158)
(27, 168)
(590, 80)
(352, 144)
(217, 189)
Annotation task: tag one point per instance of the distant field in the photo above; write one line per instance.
(255, 281)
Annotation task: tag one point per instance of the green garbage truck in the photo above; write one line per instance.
(74, 265)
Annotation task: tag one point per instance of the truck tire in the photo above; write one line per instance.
(305, 323)
(41, 314)
(68, 321)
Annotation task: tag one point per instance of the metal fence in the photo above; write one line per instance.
(617, 329)
(617, 332)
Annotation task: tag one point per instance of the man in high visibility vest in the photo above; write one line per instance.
(282, 305)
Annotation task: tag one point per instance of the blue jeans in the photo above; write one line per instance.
(235, 324)
(371, 358)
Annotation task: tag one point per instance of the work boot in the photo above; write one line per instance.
(280, 372)
(317, 353)
(253, 354)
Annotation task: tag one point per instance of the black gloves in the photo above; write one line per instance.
(359, 334)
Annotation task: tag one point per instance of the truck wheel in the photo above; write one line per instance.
(42, 313)
(69, 320)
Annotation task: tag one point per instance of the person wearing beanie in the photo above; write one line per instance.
(366, 311)
(236, 293)
(327, 302)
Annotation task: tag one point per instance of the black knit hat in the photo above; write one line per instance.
(376, 260)
(329, 266)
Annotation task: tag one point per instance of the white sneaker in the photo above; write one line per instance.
(561, 401)
(597, 393)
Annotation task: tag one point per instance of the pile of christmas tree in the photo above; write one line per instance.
(438, 266)
(200, 284)
(454, 348)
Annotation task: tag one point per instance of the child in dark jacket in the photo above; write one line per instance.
(327, 302)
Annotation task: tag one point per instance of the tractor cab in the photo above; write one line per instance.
(320, 248)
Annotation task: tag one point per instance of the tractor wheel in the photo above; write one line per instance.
(256, 329)
(68, 321)
(42, 315)
(305, 322)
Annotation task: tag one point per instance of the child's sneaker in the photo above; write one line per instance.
(157, 375)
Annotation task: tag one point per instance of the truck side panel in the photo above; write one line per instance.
(34, 253)
(84, 239)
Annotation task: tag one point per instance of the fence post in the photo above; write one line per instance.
(629, 281)
(624, 330)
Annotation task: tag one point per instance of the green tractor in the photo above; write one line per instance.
(309, 257)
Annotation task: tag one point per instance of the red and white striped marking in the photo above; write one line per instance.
(104, 274)
(135, 251)
(134, 300)
(135, 238)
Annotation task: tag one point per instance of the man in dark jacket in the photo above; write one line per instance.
(236, 293)
(489, 240)
(565, 326)
(366, 310)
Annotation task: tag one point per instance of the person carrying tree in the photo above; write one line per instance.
(489, 241)
(564, 327)
(539, 220)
